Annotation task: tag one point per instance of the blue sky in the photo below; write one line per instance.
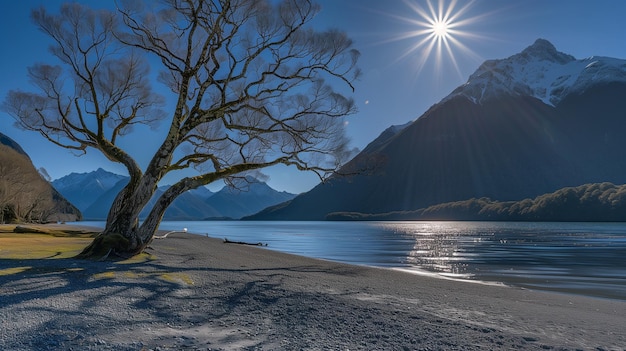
(400, 80)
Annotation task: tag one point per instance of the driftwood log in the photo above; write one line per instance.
(226, 241)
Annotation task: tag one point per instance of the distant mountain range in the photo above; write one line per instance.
(523, 126)
(94, 192)
(83, 189)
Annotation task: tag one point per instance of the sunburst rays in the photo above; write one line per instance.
(439, 30)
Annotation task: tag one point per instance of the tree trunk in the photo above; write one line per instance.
(121, 236)
(151, 223)
(118, 239)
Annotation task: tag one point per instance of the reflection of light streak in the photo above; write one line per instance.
(438, 247)
(437, 253)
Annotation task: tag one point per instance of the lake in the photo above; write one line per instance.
(580, 258)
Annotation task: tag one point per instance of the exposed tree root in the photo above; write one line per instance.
(105, 246)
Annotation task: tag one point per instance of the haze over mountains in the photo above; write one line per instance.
(94, 192)
(523, 126)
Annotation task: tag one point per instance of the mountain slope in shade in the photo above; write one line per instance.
(99, 207)
(25, 189)
(188, 206)
(246, 198)
(496, 136)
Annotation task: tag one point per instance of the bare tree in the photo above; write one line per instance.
(251, 81)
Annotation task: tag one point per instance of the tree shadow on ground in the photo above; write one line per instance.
(187, 300)
(58, 303)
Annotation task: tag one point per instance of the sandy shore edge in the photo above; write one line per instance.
(197, 293)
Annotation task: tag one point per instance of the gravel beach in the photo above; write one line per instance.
(198, 293)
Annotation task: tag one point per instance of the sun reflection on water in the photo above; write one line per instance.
(439, 247)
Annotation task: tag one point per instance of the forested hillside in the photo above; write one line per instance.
(597, 202)
(25, 196)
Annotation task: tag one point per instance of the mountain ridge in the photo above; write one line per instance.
(94, 192)
(6, 140)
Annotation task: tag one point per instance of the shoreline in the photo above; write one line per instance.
(516, 264)
(197, 293)
(518, 284)
(516, 281)
(504, 281)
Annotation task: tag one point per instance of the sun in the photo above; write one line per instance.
(438, 30)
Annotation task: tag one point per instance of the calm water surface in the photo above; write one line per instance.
(582, 258)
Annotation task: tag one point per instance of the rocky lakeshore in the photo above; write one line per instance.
(191, 292)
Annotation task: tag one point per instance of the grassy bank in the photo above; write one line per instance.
(42, 241)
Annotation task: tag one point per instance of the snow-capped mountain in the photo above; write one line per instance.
(522, 126)
(83, 188)
(539, 71)
(100, 178)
